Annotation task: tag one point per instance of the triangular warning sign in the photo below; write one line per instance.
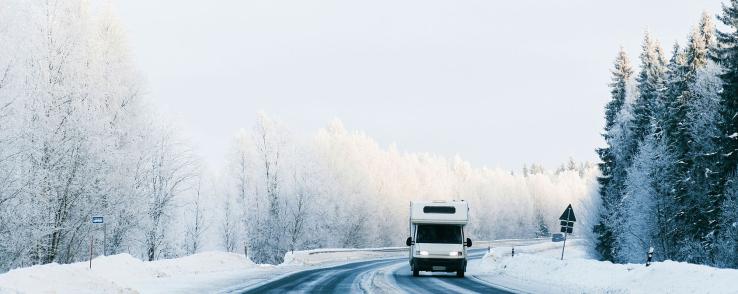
(568, 214)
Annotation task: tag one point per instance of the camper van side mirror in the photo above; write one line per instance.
(409, 241)
(468, 242)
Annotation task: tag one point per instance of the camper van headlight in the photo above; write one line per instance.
(454, 253)
(424, 253)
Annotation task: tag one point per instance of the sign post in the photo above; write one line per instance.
(90, 253)
(567, 225)
(96, 220)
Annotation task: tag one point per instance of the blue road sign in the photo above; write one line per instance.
(97, 219)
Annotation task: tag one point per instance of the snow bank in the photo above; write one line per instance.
(538, 268)
(199, 273)
(320, 256)
(120, 273)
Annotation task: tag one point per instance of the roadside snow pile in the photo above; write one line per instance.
(200, 273)
(320, 256)
(575, 249)
(120, 273)
(535, 269)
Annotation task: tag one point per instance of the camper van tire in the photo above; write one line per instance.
(416, 273)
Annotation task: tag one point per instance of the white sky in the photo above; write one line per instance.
(500, 84)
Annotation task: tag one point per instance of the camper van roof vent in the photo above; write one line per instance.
(439, 209)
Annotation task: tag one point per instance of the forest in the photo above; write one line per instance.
(79, 137)
(668, 173)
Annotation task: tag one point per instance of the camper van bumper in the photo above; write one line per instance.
(439, 264)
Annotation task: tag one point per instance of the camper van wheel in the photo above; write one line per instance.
(460, 274)
(416, 272)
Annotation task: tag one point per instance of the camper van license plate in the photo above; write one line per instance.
(439, 268)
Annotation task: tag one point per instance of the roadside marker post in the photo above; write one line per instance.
(567, 225)
(96, 220)
(91, 253)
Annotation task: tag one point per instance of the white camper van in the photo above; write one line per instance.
(437, 241)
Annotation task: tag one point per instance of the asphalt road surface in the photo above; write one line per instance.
(382, 276)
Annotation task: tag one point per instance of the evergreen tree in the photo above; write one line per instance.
(542, 228)
(612, 172)
(700, 203)
(644, 220)
(671, 150)
(671, 140)
(637, 220)
(651, 83)
(727, 240)
(697, 156)
(726, 54)
(676, 86)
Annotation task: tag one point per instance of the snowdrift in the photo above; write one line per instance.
(538, 268)
(199, 273)
(120, 273)
(320, 256)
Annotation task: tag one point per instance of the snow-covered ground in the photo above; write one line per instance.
(538, 269)
(203, 272)
(335, 255)
(123, 273)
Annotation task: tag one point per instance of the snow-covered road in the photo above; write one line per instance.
(391, 275)
(536, 268)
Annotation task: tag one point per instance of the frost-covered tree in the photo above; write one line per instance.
(612, 168)
(682, 150)
(636, 228)
(341, 189)
(647, 205)
(76, 135)
(691, 174)
(726, 246)
(636, 218)
(268, 236)
(195, 230)
(229, 224)
(543, 230)
(702, 187)
(650, 100)
(726, 54)
(170, 169)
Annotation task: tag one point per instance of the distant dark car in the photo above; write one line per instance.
(557, 237)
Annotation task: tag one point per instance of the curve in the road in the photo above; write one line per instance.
(443, 283)
(346, 278)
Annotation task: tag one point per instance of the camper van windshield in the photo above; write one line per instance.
(449, 234)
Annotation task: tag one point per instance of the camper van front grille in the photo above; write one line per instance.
(439, 209)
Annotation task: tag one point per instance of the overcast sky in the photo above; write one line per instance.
(500, 84)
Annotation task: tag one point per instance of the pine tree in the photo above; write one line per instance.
(726, 54)
(676, 86)
(692, 172)
(702, 121)
(651, 83)
(699, 184)
(611, 171)
(541, 226)
(644, 220)
(727, 240)
(673, 136)
(645, 130)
